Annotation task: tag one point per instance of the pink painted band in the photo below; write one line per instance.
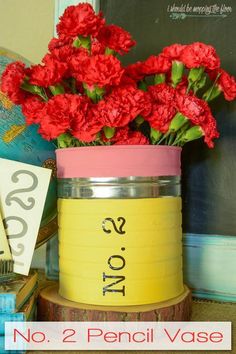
(118, 161)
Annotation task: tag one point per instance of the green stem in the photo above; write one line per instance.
(73, 85)
(163, 137)
(212, 88)
(57, 89)
(190, 84)
(171, 139)
(109, 51)
(181, 133)
(35, 90)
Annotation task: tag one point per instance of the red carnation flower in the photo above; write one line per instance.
(226, 83)
(87, 133)
(33, 110)
(123, 105)
(59, 42)
(162, 93)
(127, 81)
(61, 113)
(62, 54)
(125, 136)
(161, 116)
(209, 130)
(156, 65)
(116, 38)
(80, 20)
(86, 130)
(100, 70)
(49, 74)
(135, 71)
(199, 113)
(173, 51)
(97, 47)
(199, 54)
(12, 78)
(193, 108)
(183, 86)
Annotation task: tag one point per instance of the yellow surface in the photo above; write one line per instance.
(138, 260)
(26, 26)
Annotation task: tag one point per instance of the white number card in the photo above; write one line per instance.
(5, 253)
(23, 190)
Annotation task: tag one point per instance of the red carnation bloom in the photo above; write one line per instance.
(86, 130)
(173, 51)
(125, 136)
(80, 20)
(61, 113)
(209, 130)
(199, 113)
(33, 110)
(12, 78)
(49, 74)
(97, 47)
(199, 54)
(123, 105)
(127, 81)
(135, 71)
(156, 65)
(161, 116)
(62, 54)
(193, 108)
(162, 93)
(59, 42)
(100, 70)
(116, 38)
(226, 83)
(183, 86)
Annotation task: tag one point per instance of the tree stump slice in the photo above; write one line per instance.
(52, 307)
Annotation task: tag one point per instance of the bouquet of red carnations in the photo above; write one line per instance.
(82, 95)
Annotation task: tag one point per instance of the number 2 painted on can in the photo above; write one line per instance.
(118, 229)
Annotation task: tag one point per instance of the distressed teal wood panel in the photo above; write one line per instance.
(210, 266)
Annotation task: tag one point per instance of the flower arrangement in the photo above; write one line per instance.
(82, 95)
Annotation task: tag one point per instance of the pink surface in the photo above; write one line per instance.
(118, 161)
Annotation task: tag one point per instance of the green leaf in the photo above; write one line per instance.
(177, 72)
(57, 89)
(143, 85)
(191, 134)
(139, 120)
(195, 74)
(84, 42)
(177, 122)
(109, 51)
(155, 135)
(200, 84)
(109, 132)
(95, 94)
(34, 89)
(65, 140)
(159, 79)
(211, 93)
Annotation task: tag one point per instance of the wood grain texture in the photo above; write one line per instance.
(52, 307)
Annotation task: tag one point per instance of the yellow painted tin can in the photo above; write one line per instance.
(120, 239)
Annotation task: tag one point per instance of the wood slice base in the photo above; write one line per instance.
(52, 307)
